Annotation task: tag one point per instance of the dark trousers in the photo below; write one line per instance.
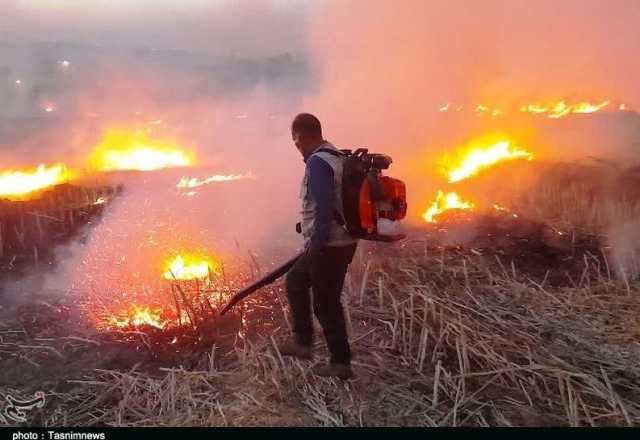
(324, 275)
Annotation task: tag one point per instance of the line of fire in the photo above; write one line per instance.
(46, 204)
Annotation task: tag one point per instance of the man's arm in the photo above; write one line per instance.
(322, 191)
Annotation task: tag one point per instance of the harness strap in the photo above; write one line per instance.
(337, 216)
(335, 153)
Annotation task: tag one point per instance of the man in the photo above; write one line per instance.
(329, 250)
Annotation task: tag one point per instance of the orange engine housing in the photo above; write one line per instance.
(392, 205)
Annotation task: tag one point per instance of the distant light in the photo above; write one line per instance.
(65, 63)
(18, 82)
(622, 107)
(48, 109)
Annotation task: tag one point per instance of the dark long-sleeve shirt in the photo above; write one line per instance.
(322, 191)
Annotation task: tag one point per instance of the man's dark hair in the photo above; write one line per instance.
(307, 125)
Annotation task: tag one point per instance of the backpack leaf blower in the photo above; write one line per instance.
(373, 204)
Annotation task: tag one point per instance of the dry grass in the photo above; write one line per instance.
(440, 339)
(588, 196)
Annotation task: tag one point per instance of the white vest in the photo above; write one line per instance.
(338, 235)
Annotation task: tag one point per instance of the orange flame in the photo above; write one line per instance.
(553, 109)
(444, 202)
(136, 316)
(561, 108)
(483, 109)
(194, 182)
(124, 150)
(16, 184)
(477, 156)
(480, 157)
(189, 267)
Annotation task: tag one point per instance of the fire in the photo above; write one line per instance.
(498, 207)
(189, 267)
(136, 316)
(553, 109)
(194, 182)
(481, 157)
(124, 150)
(483, 109)
(444, 202)
(561, 108)
(477, 156)
(16, 184)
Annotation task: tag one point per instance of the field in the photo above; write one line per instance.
(530, 322)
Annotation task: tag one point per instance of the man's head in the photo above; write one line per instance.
(306, 132)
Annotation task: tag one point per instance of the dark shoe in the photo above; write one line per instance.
(341, 371)
(295, 349)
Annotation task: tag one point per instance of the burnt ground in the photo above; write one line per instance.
(47, 344)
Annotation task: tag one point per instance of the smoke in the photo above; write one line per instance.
(189, 95)
(625, 244)
(226, 78)
(387, 67)
(197, 68)
(223, 27)
(408, 57)
(221, 79)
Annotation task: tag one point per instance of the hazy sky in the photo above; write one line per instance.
(215, 26)
(110, 4)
